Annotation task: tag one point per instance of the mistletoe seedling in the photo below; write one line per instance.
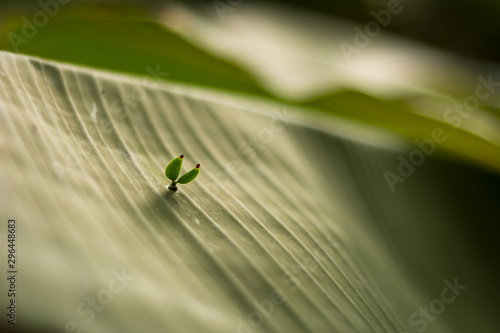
(173, 170)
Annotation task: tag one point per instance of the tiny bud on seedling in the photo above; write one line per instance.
(173, 170)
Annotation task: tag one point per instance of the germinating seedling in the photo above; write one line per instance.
(174, 168)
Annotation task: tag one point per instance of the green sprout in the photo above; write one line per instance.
(173, 170)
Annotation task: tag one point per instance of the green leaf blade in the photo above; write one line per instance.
(190, 176)
(173, 168)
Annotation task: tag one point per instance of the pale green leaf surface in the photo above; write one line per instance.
(85, 180)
